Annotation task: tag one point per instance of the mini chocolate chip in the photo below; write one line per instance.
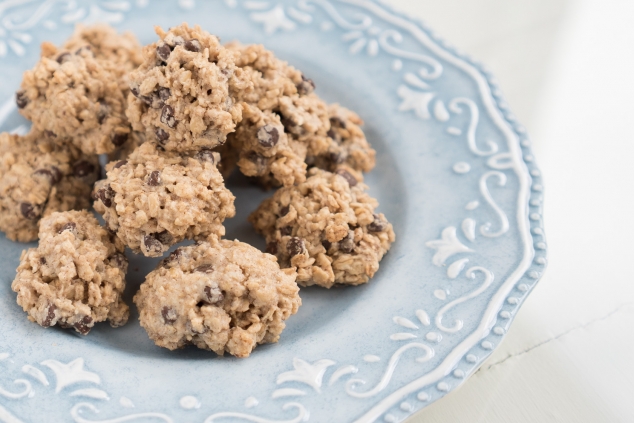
(169, 315)
(352, 181)
(135, 91)
(347, 244)
(103, 111)
(154, 179)
(259, 161)
(163, 52)
(42, 260)
(305, 87)
(152, 245)
(164, 93)
(167, 116)
(119, 139)
(379, 225)
(50, 315)
(193, 45)
(50, 134)
(337, 158)
(106, 195)
(70, 226)
(205, 268)
(209, 91)
(205, 155)
(164, 237)
(120, 163)
(161, 135)
(119, 260)
(271, 248)
(62, 58)
(53, 174)
(326, 244)
(337, 122)
(83, 326)
(284, 210)
(289, 124)
(295, 246)
(174, 256)
(29, 211)
(21, 100)
(268, 136)
(286, 230)
(83, 168)
(213, 294)
(332, 134)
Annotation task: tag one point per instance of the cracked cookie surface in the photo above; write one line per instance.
(224, 296)
(39, 177)
(183, 93)
(327, 228)
(155, 199)
(76, 275)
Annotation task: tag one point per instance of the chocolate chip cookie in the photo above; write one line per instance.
(76, 275)
(327, 228)
(155, 198)
(183, 95)
(39, 177)
(224, 296)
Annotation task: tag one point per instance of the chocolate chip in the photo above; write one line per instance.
(336, 158)
(271, 248)
(205, 155)
(53, 174)
(42, 260)
(305, 87)
(164, 237)
(163, 52)
(50, 134)
(337, 122)
(295, 246)
(284, 210)
(29, 211)
(326, 244)
(135, 91)
(84, 325)
(213, 294)
(63, 58)
(119, 139)
(120, 163)
(352, 181)
(152, 245)
(106, 195)
(286, 230)
(70, 226)
(205, 268)
(83, 168)
(50, 316)
(268, 136)
(332, 134)
(103, 111)
(169, 315)
(167, 116)
(161, 135)
(154, 179)
(379, 225)
(259, 161)
(193, 45)
(164, 93)
(209, 91)
(119, 260)
(174, 256)
(21, 100)
(347, 245)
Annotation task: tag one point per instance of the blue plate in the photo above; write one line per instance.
(454, 174)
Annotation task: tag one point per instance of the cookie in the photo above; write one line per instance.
(224, 296)
(183, 93)
(76, 98)
(156, 198)
(265, 151)
(76, 275)
(39, 177)
(327, 228)
(349, 146)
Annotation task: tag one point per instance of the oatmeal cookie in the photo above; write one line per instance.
(264, 149)
(76, 275)
(156, 198)
(182, 93)
(327, 228)
(39, 177)
(77, 99)
(217, 295)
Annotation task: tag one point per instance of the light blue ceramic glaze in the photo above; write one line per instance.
(455, 175)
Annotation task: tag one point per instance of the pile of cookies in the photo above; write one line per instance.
(175, 119)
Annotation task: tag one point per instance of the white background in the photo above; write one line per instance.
(567, 70)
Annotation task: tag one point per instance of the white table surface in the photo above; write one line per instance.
(567, 70)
